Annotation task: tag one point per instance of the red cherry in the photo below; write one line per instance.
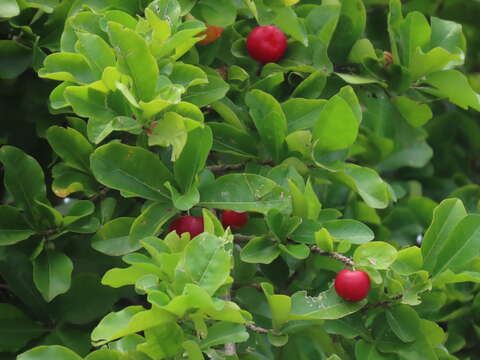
(352, 285)
(212, 33)
(191, 224)
(234, 219)
(266, 44)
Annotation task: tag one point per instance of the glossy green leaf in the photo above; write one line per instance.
(113, 237)
(205, 94)
(404, 322)
(137, 60)
(269, 120)
(408, 261)
(98, 53)
(71, 146)
(49, 352)
(351, 230)
(130, 169)
(24, 180)
(15, 58)
(13, 227)
(224, 332)
(415, 113)
(260, 250)
(446, 217)
(70, 67)
(163, 341)
(245, 192)
(9, 8)
(302, 113)
(52, 272)
(376, 254)
(326, 306)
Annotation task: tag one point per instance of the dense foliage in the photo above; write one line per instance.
(167, 196)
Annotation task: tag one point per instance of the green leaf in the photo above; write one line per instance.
(224, 332)
(205, 94)
(376, 254)
(9, 8)
(71, 146)
(367, 351)
(206, 262)
(416, 114)
(461, 246)
(414, 32)
(454, 85)
(193, 157)
(49, 352)
(229, 139)
(52, 272)
(351, 230)
(15, 58)
(98, 53)
(404, 322)
(24, 180)
(113, 237)
(187, 75)
(326, 306)
(287, 20)
(408, 261)
(446, 217)
(13, 227)
(130, 169)
(245, 192)
(302, 113)
(269, 119)
(150, 221)
(337, 127)
(260, 250)
(16, 329)
(162, 341)
(311, 87)
(136, 59)
(193, 350)
(367, 183)
(218, 13)
(280, 306)
(70, 67)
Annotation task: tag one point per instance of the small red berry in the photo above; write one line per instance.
(352, 285)
(212, 33)
(191, 224)
(266, 44)
(234, 219)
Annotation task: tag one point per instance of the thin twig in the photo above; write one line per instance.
(256, 329)
(101, 194)
(225, 167)
(383, 303)
(243, 238)
(344, 259)
(230, 348)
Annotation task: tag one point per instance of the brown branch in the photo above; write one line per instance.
(383, 303)
(225, 167)
(256, 329)
(342, 258)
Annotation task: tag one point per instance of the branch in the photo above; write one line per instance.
(230, 348)
(225, 167)
(383, 303)
(243, 238)
(256, 329)
(101, 194)
(344, 259)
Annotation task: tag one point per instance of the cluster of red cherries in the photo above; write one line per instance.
(350, 285)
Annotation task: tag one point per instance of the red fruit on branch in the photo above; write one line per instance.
(266, 44)
(212, 33)
(352, 285)
(191, 224)
(234, 219)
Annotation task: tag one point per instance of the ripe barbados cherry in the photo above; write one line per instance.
(234, 219)
(212, 33)
(191, 224)
(266, 44)
(352, 285)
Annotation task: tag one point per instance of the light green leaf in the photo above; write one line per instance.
(348, 229)
(163, 341)
(206, 262)
(408, 261)
(224, 332)
(52, 272)
(66, 66)
(98, 53)
(302, 113)
(150, 221)
(416, 114)
(326, 306)
(218, 13)
(9, 8)
(376, 254)
(137, 60)
(337, 127)
(48, 353)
